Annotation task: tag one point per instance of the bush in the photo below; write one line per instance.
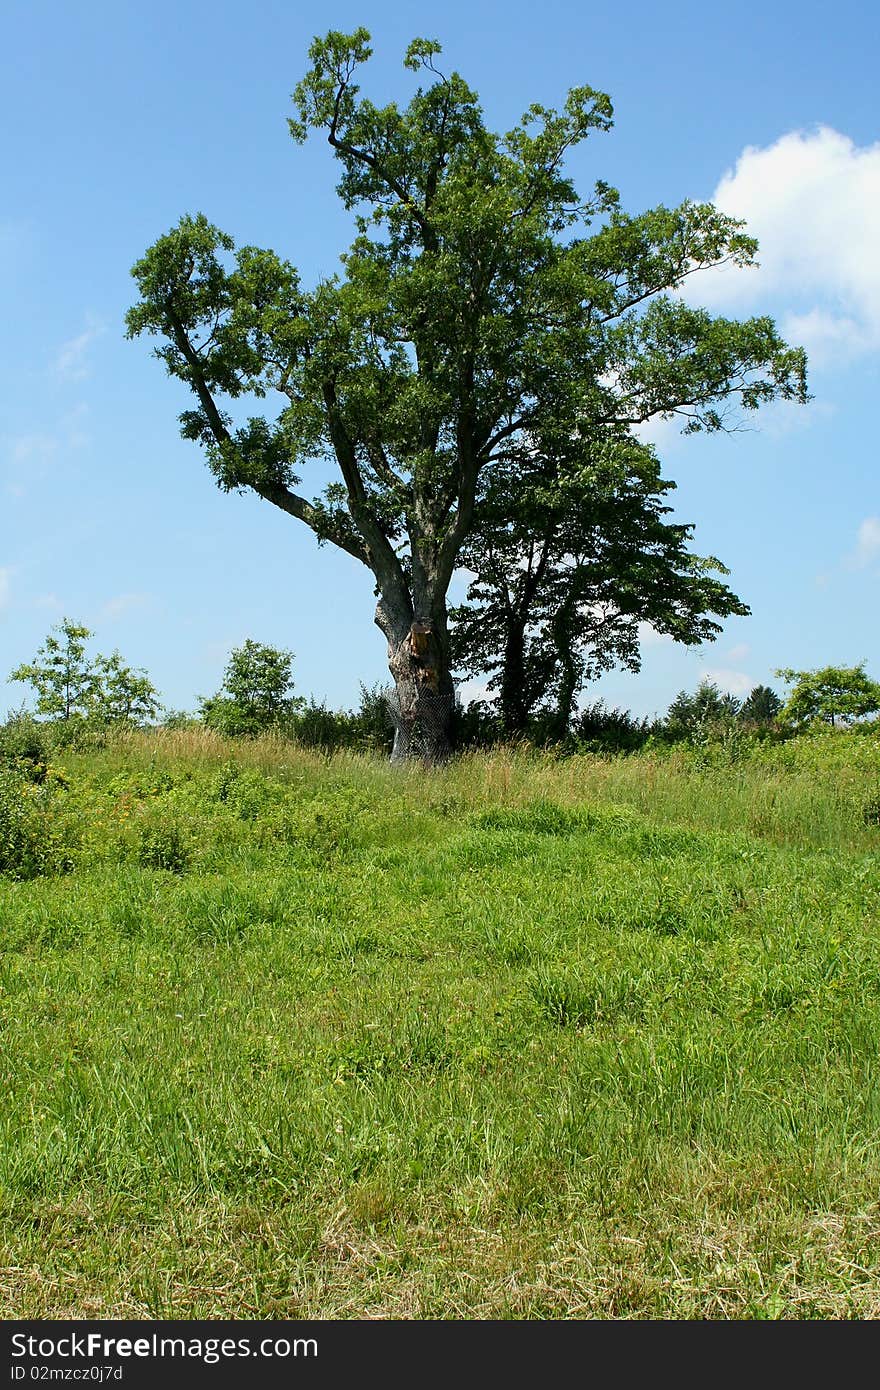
(162, 845)
(596, 728)
(180, 719)
(367, 728)
(25, 746)
(372, 721)
(30, 840)
(255, 694)
(19, 828)
(316, 726)
(225, 716)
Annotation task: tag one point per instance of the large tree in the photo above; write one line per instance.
(484, 303)
(571, 554)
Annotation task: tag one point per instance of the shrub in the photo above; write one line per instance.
(31, 840)
(179, 719)
(255, 694)
(25, 746)
(70, 687)
(316, 726)
(162, 845)
(600, 729)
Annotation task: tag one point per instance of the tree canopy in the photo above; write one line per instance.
(256, 692)
(761, 705)
(832, 694)
(71, 686)
(568, 564)
(486, 310)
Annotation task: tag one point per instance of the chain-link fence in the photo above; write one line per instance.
(422, 721)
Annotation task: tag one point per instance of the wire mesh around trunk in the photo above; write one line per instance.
(422, 722)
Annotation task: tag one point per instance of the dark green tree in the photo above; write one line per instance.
(256, 691)
(485, 305)
(570, 556)
(692, 714)
(832, 694)
(760, 706)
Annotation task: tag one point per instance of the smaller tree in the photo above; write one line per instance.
(60, 673)
(120, 694)
(70, 686)
(255, 694)
(688, 714)
(760, 706)
(833, 694)
(571, 554)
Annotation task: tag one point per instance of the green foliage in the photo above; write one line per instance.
(690, 716)
(73, 688)
(602, 729)
(373, 720)
(316, 726)
(313, 725)
(571, 554)
(121, 695)
(33, 837)
(25, 746)
(761, 706)
(60, 674)
(163, 845)
(179, 719)
(19, 827)
(367, 1018)
(488, 315)
(832, 694)
(255, 694)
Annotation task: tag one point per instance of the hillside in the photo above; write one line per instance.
(290, 1036)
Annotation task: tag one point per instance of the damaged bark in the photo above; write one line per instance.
(423, 698)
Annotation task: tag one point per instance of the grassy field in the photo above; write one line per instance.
(285, 1036)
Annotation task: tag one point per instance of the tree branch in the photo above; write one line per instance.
(383, 559)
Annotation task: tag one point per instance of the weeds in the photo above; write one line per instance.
(295, 1036)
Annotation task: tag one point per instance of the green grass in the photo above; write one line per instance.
(303, 1037)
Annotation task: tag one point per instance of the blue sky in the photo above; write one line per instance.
(120, 117)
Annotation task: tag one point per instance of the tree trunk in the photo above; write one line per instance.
(423, 699)
(514, 710)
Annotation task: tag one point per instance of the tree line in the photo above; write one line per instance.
(77, 693)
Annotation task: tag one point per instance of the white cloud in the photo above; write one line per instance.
(812, 199)
(72, 362)
(830, 339)
(33, 452)
(5, 576)
(37, 446)
(739, 652)
(729, 682)
(867, 549)
(474, 691)
(662, 433)
(780, 419)
(121, 604)
(650, 637)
